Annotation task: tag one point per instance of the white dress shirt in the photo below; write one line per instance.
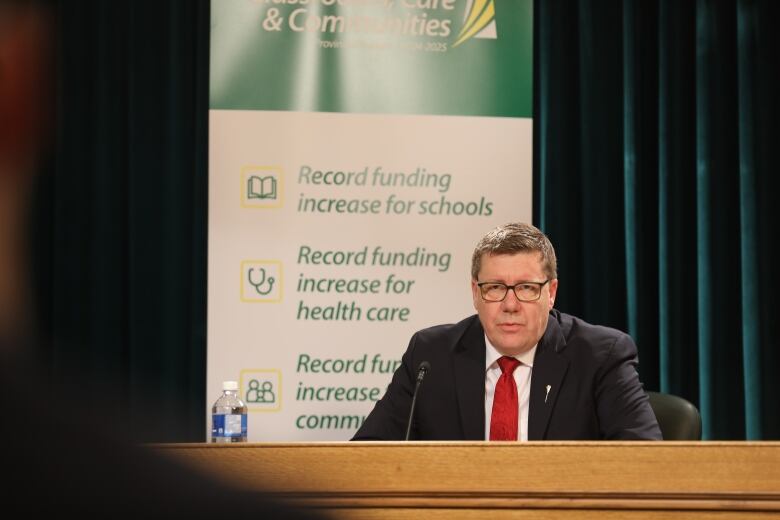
(522, 380)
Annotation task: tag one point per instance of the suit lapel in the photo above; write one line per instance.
(469, 371)
(548, 373)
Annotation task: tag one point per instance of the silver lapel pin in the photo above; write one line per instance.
(548, 392)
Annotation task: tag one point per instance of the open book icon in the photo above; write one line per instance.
(261, 187)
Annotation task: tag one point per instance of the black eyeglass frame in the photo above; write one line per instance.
(514, 290)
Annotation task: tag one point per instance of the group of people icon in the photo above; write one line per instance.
(260, 393)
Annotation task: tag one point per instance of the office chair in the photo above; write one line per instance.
(678, 418)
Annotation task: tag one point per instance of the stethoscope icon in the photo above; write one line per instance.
(263, 280)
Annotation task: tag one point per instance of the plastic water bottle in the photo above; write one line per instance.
(228, 416)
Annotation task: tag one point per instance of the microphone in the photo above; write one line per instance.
(421, 371)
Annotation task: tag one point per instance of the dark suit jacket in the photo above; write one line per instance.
(595, 392)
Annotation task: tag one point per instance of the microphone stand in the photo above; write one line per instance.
(421, 371)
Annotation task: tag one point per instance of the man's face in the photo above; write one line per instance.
(513, 326)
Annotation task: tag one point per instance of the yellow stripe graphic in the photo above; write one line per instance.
(484, 19)
(476, 8)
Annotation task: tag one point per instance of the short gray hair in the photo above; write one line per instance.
(516, 237)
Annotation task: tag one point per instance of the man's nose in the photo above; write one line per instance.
(510, 302)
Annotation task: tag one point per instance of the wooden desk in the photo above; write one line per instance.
(540, 480)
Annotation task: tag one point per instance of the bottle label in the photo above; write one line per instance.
(227, 425)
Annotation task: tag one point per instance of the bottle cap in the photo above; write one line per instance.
(229, 385)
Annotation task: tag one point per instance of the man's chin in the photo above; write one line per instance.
(510, 346)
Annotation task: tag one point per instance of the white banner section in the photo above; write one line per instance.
(332, 239)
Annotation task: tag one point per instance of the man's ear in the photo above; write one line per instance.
(553, 292)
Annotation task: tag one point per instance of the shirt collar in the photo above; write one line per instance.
(492, 355)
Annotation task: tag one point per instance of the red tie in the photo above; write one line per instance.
(503, 420)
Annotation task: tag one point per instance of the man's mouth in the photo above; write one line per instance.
(509, 326)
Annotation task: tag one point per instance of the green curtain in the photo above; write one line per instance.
(656, 129)
(121, 232)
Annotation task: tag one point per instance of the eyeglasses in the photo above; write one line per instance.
(525, 291)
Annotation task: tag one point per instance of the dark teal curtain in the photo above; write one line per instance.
(122, 213)
(656, 125)
(656, 133)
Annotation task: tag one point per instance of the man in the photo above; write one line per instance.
(519, 370)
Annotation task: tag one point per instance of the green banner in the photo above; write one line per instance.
(358, 150)
(436, 57)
